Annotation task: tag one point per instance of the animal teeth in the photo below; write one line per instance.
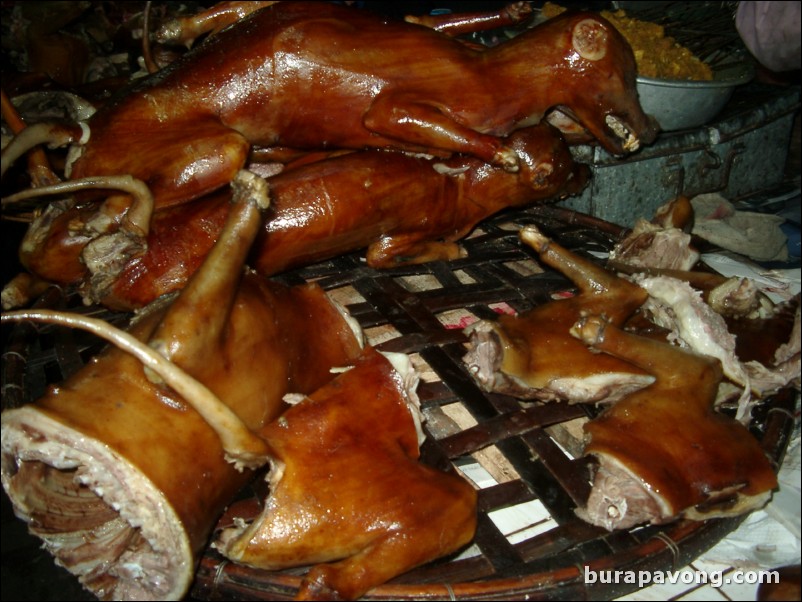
(631, 143)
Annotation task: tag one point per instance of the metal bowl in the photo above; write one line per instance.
(681, 104)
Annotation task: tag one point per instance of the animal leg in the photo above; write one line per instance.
(687, 373)
(184, 30)
(533, 356)
(587, 275)
(179, 335)
(66, 242)
(179, 160)
(409, 249)
(416, 122)
(663, 451)
(39, 168)
(461, 23)
(210, 293)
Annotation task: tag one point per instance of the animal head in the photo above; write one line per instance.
(594, 68)
(546, 162)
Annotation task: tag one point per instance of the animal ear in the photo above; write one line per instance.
(590, 39)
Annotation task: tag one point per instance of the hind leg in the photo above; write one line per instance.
(179, 161)
(683, 372)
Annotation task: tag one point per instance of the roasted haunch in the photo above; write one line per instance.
(664, 452)
(531, 355)
(123, 477)
(347, 491)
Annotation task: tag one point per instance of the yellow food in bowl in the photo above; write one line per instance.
(657, 55)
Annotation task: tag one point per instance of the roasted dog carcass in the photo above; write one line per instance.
(531, 356)
(113, 469)
(308, 75)
(403, 208)
(664, 452)
(347, 492)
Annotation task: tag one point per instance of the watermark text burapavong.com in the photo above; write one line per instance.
(683, 577)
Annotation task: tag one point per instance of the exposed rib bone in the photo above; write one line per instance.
(673, 304)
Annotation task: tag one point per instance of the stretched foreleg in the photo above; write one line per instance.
(454, 24)
(692, 376)
(210, 293)
(185, 30)
(590, 277)
(390, 251)
(401, 117)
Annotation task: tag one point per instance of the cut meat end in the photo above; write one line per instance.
(99, 516)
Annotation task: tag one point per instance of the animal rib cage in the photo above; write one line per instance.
(420, 310)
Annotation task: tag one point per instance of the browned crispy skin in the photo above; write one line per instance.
(314, 75)
(142, 448)
(278, 340)
(352, 492)
(185, 29)
(299, 337)
(669, 436)
(536, 349)
(398, 206)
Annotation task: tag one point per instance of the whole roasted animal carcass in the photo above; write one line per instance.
(347, 84)
(307, 75)
(403, 208)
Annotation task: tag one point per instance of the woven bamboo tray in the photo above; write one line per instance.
(530, 450)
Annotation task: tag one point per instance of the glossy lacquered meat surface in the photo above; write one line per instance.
(346, 488)
(400, 208)
(312, 76)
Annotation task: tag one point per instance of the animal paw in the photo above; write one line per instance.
(507, 159)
